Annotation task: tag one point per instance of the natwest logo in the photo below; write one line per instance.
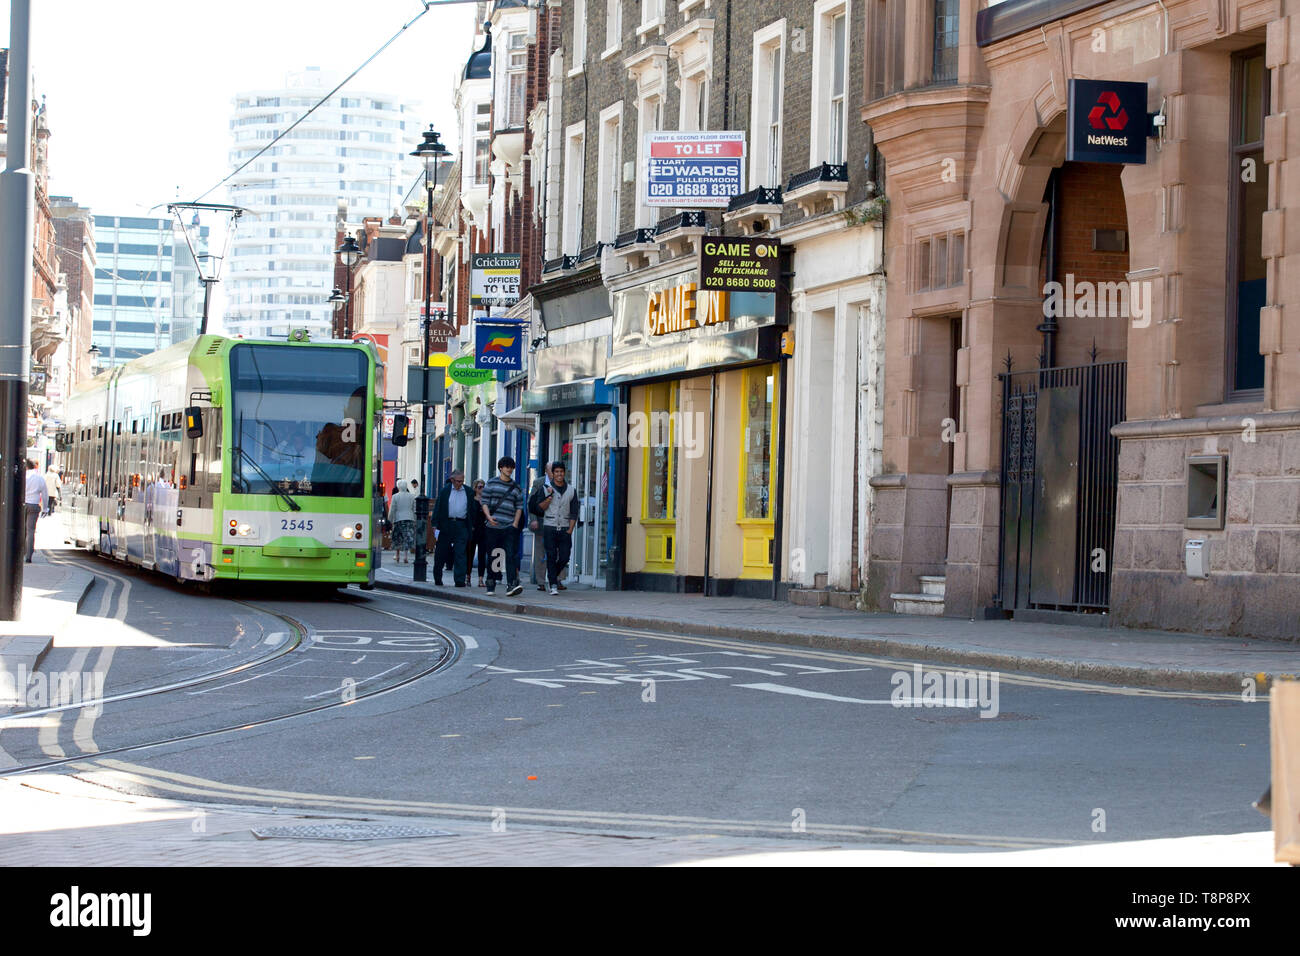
(1107, 121)
(1108, 102)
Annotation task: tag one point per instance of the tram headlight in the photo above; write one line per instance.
(347, 534)
(245, 530)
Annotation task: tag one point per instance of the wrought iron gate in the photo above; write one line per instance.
(1059, 479)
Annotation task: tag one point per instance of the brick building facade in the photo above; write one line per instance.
(782, 74)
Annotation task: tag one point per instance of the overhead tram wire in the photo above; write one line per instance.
(428, 5)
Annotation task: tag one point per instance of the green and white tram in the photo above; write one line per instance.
(230, 458)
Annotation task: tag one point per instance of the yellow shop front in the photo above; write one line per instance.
(701, 374)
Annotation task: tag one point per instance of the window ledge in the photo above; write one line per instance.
(576, 71)
(611, 51)
(647, 28)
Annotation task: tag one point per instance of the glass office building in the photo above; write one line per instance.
(147, 289)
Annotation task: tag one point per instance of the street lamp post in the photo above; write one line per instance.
(431, 151)
(338, 300)
(349, 254)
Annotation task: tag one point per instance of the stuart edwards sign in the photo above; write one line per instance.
(694, 169)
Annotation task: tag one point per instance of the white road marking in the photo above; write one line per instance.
(47, 737)
(816, 695)
(355, 684)
(83, 731)
(847, 657)
(208, 690)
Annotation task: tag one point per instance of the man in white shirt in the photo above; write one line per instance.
(34, 503)
(52, 490)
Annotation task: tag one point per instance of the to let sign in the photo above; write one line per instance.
(694, 168)
(494, 278)
(1107, 122)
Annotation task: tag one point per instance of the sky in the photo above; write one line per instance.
(139, 92)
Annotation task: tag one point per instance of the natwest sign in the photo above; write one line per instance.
(1107, 122)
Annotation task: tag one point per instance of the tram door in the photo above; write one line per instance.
(151, 477)
(592, 486)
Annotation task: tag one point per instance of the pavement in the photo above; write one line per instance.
(60, 820)
(52, 594)
(1111, 655)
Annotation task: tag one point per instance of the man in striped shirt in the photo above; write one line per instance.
(503, 504)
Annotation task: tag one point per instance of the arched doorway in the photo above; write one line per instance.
(1059, 462)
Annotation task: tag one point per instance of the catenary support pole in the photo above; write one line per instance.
(17, 186)
(420, 570)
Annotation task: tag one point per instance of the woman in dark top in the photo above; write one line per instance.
(477, 522)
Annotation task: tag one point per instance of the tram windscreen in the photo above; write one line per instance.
(298, 419)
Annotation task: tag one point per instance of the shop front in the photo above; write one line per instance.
(704, 382)
(577, 414)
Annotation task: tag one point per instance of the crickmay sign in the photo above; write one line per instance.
(494, 278)
(694, 169)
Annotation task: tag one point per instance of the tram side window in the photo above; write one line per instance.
(212, 448)
(121, 437)
(96, 471)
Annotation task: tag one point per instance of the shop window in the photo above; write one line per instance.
(757, 454)
(1248, 197)
(660, 498)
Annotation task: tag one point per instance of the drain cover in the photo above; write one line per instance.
(349, 831)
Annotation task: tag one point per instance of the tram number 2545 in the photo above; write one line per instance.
(295, 524)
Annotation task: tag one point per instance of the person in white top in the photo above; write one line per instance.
(401, 512)
(34, 503)
(52, 488)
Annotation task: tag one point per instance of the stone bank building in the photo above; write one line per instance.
(1140, 456)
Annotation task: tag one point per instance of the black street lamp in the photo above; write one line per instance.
(349, 254)
(431, 151)
(338, 300)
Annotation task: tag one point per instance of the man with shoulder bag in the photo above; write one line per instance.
(557, 509)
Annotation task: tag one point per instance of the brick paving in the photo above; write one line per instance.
(50, 820)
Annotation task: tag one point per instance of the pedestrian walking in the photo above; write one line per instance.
(555, 502)
(451, 516)
(52, 488)
(477, 536)
(503, 507)
(401, 512)
(33, 503)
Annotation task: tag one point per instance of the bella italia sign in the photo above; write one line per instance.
(462, 370)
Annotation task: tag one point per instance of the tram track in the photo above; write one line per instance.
(299, 639)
